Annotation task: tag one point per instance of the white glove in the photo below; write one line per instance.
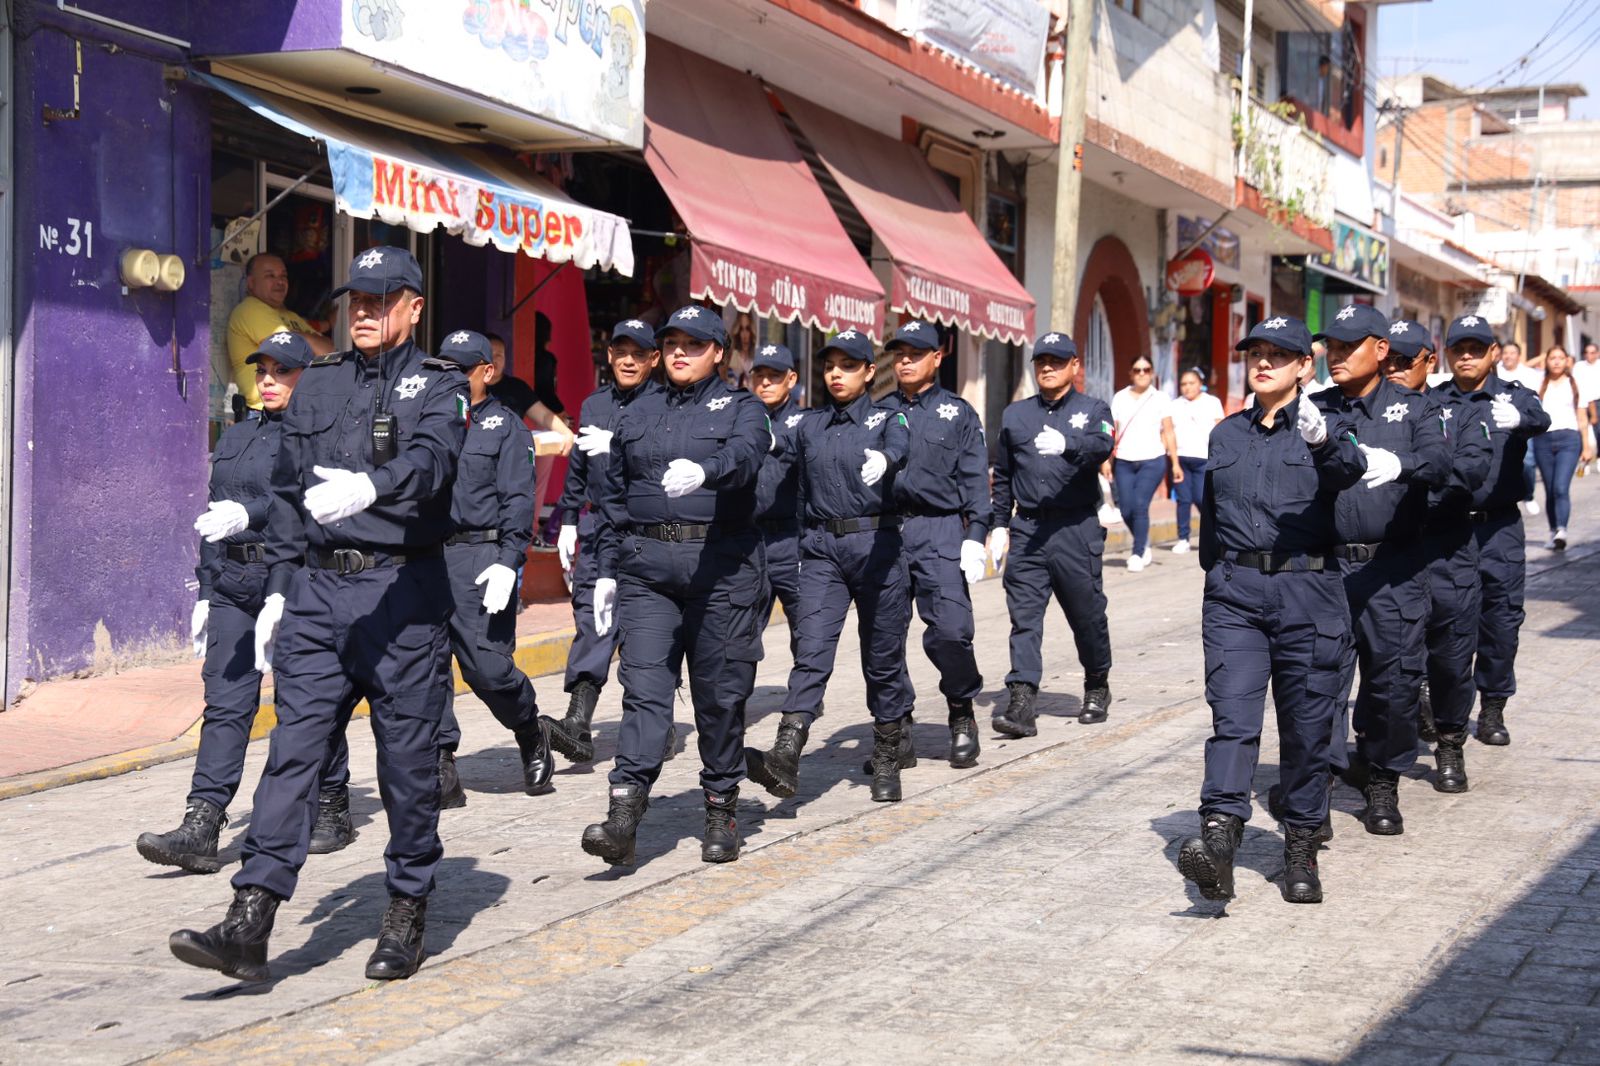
(340, 494)
(567, 546)
(1050, 441)
(197, 627)
(872, 470)
(1506, 415)
(592, 440)
(999, 545)
(972, 559)
(682, 477)
(1312, 426)
(605, 604)
(497, 581)
(267, 630)
(1383, 466)
(223, 518)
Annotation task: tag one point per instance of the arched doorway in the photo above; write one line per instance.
(1112, 314)
(1099, 372)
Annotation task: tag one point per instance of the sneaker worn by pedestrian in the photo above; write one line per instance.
(1096, 701)
(332, 830)
(1136, 563)
(1450, 774)
(238, 945)
(613, 839)
(1300, 881)
(721, 843)
(778, 769)
(886, 761)
(399, 953)
(1181, 547)
(1426, 730)
(964, 746)
(451, 794)
(572, 736)
(1021, 713)
(1558, 539)
(908, 752)
(1533, 506)
(193, 845)
(1324, 832)
(537, 764)
(1207, 860)
(1492, 722)
(1382, 817)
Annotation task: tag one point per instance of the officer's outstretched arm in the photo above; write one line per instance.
(1535, 419)
(610, 494)
(896, 440)
(1001, 499)
(1209, 549)
(285, 547)
(738, 463)
(514, 483)
(426, 463)
(1428, 463)
(1096, 437)
(972, 472)
(1338, 459)
(1474, 457)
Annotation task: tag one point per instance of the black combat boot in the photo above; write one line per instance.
(332, 830)
(721, 842)
(964, 745)
(537, 765)
(1451, 774)
(1492, 722)
(571, 736)
(1275, 808)
(613, 839)
(1207, 859)
(1382, 817)
(1096, 701)
(778, 770)
(886, 761)
(451, 794)
(1300, 881)
(908, 752)
(1426, 730)
(193, 845)
(399, 953)
(237, 946)
(1017, 720)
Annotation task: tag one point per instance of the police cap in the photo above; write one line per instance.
(1409, 338)
(919, 335)
(853, 343)
(637, 331)
(773, 357)
(701, 323)
(1057, 344)
(382, 270)
(466, 349)
(1287, 333)
(289, 350)
(1355, 323)
(1468, 328)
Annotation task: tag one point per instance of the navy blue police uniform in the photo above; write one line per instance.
(1049, 504)
(1274, 613)
(491, 517)
(777, 505)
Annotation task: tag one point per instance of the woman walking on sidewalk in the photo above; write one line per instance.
(1567, 443)
(1195, 413)
(1145, 448)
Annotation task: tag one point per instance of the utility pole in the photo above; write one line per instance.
(1074, 82)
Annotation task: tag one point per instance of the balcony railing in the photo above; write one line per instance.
(1288, 165)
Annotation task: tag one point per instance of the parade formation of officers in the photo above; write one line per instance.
(361, 535)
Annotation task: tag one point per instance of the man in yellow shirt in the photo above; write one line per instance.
(261, 314)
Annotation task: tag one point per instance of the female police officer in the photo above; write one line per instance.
(681, 573)
(850, 551)
(1274, 608)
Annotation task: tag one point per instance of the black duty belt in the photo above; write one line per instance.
(346, 561)
(1493, 514)
(779, 527)
(1054, 514)
(841, 526)
(247, 553)
(1357, 553)
(1278, 562)
(678, 532)
(926, 512)
(474, 536)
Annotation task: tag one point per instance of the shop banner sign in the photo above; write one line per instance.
(1223, 244)
(1359, 255)
(1191, 274)
(1493, 305)
(1005, 38)
(954, 304)
(579, 63)
(751, 283)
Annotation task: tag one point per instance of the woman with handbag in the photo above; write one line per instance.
(1145, 448)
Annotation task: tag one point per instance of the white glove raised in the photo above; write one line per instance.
(1312, 426)
(999, 544)
(605, 604)
(197, 627)
(1050, 441)
(873, 469)
(223, 518)
(592, 440)
(682, 477)
(1506, 415)
(340, 494)
(1383, 466)
(972, 560)
(567, 546)
(267, 630)
(497, 580)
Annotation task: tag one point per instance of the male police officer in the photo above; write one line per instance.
(1378, 524)
(1051, 448)
(943, 492)
(633, 357)
(772, 379)
(491, 509)
(358, 602)
(1514, 416)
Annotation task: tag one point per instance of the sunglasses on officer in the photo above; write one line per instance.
(1399, 360)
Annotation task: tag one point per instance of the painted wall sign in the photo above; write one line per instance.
(1359, 255)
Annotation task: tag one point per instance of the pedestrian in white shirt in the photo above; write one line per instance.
(1587, 373)
(1194, 413)
(1560, 449)
(1144, 450)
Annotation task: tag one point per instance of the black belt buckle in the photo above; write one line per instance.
(671, 532)
(348, 561)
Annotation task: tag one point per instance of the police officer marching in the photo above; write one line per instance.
(943, 494)
(680, 573)
(491, 512)
(1051, 448)
(772, 379)
(1274, 608)
(358, 598)
(633, 357)
(846, 454)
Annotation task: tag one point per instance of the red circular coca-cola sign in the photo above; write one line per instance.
(1191, 274)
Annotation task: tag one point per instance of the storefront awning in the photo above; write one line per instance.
(409, 181)
(761, 234)
(944, 269)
